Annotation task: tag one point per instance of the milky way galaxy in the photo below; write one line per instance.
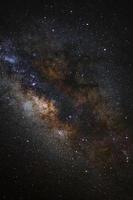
(62, 90)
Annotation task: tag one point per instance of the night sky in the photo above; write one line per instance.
(66, 100)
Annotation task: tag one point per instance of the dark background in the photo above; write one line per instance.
(19, 179)
(15, 12)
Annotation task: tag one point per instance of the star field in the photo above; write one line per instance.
(66, 103)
